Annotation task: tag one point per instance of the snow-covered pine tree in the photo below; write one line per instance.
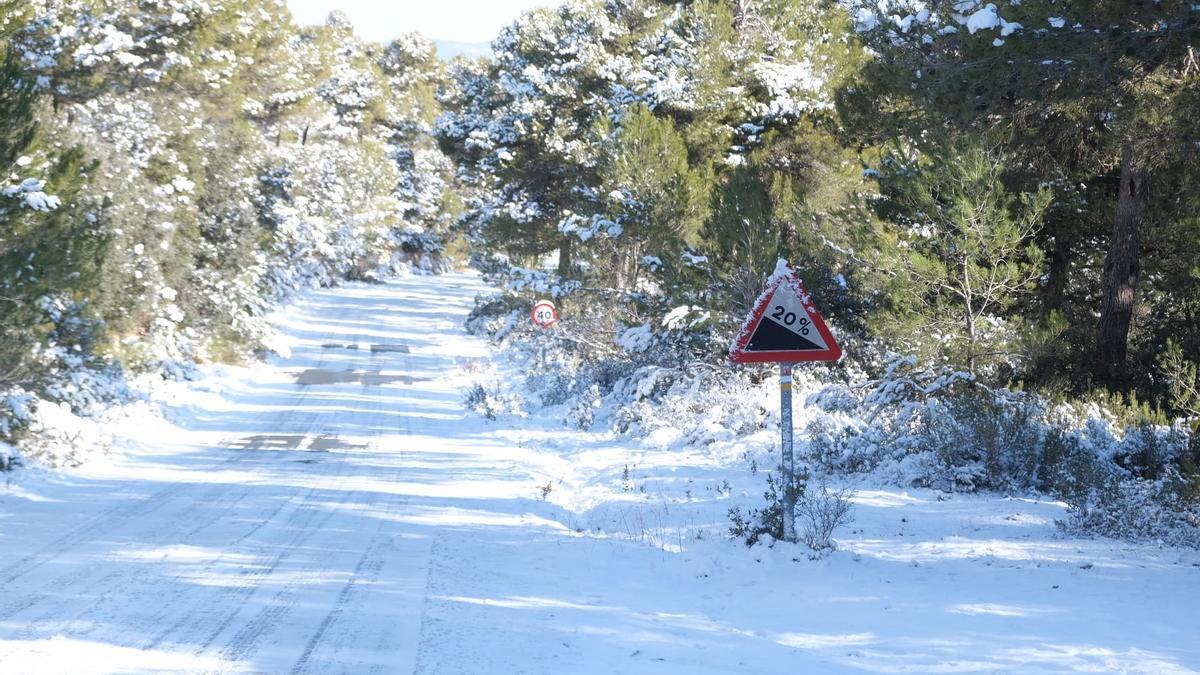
(1092, 99)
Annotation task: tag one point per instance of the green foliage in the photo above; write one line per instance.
(1081, 93)
(656, 198)
(627, 137)
(48, 252)
(756, 524)
(967, 257)
(819, 512)
(1183, 379)
(1127, 410)
(18, 101)
(481, 400)
(747, 232)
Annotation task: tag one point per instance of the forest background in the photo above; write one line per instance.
(995, 206)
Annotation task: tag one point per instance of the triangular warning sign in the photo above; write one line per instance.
(784, 326)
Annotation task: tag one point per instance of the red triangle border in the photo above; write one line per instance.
(738, 353)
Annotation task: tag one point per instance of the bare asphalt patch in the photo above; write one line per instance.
(306, 442)
(368, 378)
(373, 348)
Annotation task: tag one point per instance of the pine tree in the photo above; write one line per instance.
(648, 189)
(47, 249)
(17, 128)
(746, 233)
(967, 255)
(1091, 97)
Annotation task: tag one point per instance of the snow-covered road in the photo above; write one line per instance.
(340, 511)
(286, 526)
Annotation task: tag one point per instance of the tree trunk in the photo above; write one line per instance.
(1058, 268)
(969, 315)
(564, 257)
(1122, 266)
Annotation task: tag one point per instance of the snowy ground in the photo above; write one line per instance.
(340, 511)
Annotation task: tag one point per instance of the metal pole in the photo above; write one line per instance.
(789, 470)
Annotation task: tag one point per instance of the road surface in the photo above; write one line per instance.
(290, 525)
(340, 511)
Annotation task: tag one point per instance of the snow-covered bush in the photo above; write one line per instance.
(481, 400)
(1138, 482)
(486, 396)
(929, 427)
(55, 436)
(881, 425)
(9, 458)
(16, 410)
(582, 413)
(984, 439)
(495, 315)
(1121, 470)
(820, 511)
(594, 369)
(1165, 509)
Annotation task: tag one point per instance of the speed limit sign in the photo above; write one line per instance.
(544, 314)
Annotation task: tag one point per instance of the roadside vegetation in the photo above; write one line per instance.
(995, 209)
(174, 171)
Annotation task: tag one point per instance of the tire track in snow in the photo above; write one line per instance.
(115, 585)
(126, 511)
(368, 569)
(370, 564)
(306, 518)
(91, 529)
(109, 523)
(281, 604)
(77, 540)
(172, 603)
(429, 633)
(163, 530)
(280, 587)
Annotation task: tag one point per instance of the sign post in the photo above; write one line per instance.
(544, 315)
(785, 328)
(789, 462)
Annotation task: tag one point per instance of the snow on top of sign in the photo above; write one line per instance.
(783, 273)
(782, 270)
(772, 283)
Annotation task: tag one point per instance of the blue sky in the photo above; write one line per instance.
(446, 21)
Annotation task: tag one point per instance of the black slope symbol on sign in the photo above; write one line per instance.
(772, 337)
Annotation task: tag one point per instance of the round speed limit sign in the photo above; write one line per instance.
(544, 314)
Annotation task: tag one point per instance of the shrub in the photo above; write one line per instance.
(582, 415)
(9, 459)
(1119, 466)
(754, 524)
(821, 512)
(492, 312)
(480, 400)
(985, 439)
(1163, 510)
